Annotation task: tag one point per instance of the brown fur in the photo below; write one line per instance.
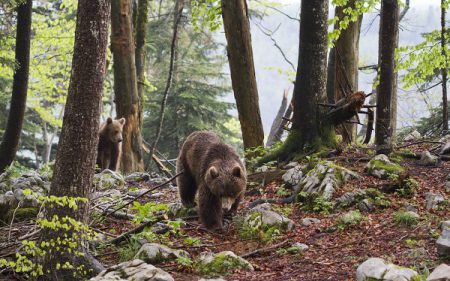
(110, 144)
(214, 171)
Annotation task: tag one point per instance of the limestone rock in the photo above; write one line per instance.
(136, 270)
(210, 263)
(138, 176)
(433, 200)
(263, 216)
(324, 179)
(381, 167)
(427, 159)
(377, 269)
(156, 253)
(440, 273)
(414, 135)
(443, 242)
(309, 221)
(108, 179)
(293, 175)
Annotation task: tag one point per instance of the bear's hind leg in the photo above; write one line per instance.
(186, 187)
(210, 209)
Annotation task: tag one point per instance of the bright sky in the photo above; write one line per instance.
(414, 3)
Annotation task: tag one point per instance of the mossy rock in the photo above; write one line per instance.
(212, 264)
(381, 167)
(22, 214)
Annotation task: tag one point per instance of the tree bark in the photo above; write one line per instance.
(125, 85)
(77, 148)
(11, 137)
(141, 34)
(278, 121)
(331, 75)
(310, 82)
(346, 65)
(444, 72)
(386, 92)
(240, 57)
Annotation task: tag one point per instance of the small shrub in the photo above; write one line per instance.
(313, 202)
(350, 219)
(255, 229)
(405, 218)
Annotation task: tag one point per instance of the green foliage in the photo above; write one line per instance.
(67, 243)
(184, 261)
(130, 249)
(221, 263)
(350, 219)
(351, 14)
(147, 211)
(405, 218)
(313, 202)
(283, 191)
(206, 14)
(408, 188)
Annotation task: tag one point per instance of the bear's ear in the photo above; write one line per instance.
(109, 120)
(236, 171)
(213, 172)
(122, 121)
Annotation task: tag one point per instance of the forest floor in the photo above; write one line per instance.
(334, 253)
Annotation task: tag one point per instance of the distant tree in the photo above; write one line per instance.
(127, 99)
(11, 137)
(444, 69)
(240, 57)
(77, 148)
(386, 91)
(141, 33)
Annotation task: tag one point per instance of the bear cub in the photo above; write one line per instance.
(213, 172)
(110, 144)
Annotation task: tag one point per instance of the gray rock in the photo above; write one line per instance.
(376, 269)
(293, 175)
(413, 214)
(433, 200)
(366, 206)
(9, 197)
(156, 253)
(346, 199)
(290, 165)
(213, 279)
(309, 221)
(445, 149)
(107, 195)
(410, 207)
(414, 135)
(138, 176)
(447, 186)
(136, 193)
(18, 194)
(300, 246)
(178, 210)
(440, 273)
(324, 178)
(443, 242)
(136, 270)
(262, 169)
(225, 261)
(381, 167)
(263, 216)
(108, 179)
(427, 159)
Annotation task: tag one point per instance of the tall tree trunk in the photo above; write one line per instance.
(77, 148)
(10, 142)
(141, 33)
(444, 72)
(386, 92)
(240, 57)
(331, 75)
(346, 65)
(125, 85)
(310, 82)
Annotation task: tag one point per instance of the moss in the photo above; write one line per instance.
(22, 214)
(221, 263)
(390, 168)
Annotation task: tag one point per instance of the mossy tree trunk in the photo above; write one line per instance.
(240, 57)
(346, 65)
(141, 33)
(386, 91)
(11, 137)
(77, 147)
(125, 85)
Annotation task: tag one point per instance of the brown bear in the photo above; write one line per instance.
(213, 171)
(110, 144)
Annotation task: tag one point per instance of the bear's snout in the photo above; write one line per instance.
(119, 140)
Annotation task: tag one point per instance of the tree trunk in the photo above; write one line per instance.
(386, 92)
(346, 65)
(10, 142)
(310, 82)
(331, 75)
(77, 148)
(240, 57)
(444, 72)
(141, 33)
(278, 121)
(125, 85)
